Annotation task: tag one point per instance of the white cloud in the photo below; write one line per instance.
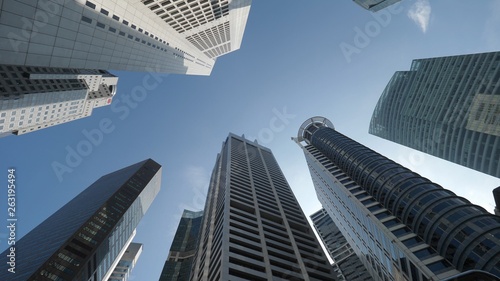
(420, 13)
(197, 177)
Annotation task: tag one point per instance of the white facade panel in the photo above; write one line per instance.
(102, 29)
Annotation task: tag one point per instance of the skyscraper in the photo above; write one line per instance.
(86, 238)
(448, 107)
(182, 37)
(253, 227)
(121, 271)
(375, 5)
(180, 258)
(34, 98)
(347, 263)
(400, 224)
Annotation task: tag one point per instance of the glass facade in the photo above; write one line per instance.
(83, 238)
(448, 107)
(121, 271)
(399, 223)
(348, 266)
(180, 257)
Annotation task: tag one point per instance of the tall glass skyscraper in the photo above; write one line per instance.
(448, 107)
(86, 238)
(401, 225)
(181, 37)
(348, 266)
(180, 258)
(253, 227)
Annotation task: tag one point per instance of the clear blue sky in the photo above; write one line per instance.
(291, 60)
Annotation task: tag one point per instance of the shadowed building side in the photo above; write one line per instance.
(347, 264)
(85, 238)
(180, 258)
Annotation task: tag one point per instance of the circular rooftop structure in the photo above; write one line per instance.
(310, 126)
(112, 89)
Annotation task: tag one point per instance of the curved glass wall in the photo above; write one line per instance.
(429, 220)
(448, 107)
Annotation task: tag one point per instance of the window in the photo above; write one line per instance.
(103, 11)
(438, 267)
(115, 17)
(90, 4)
(424, 253)
(101, 25)
(87, 20)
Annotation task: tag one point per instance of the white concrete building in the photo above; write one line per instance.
(34, 98)
(57, 51)
(182, 37)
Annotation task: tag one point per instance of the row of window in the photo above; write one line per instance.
(121, 33)
(183, 18)
(129, 36)
(125, 22)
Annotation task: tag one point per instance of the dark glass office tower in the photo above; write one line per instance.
(448, 107)
(253, 227)
(85, 237)
(180, 258)
(348, 266)
(400, 224)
